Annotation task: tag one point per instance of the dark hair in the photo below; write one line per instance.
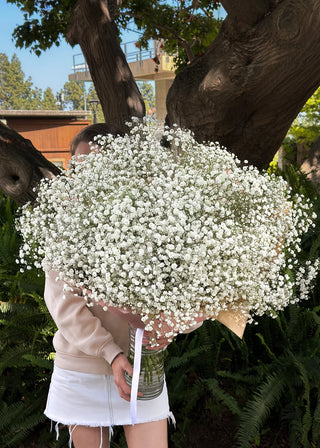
(88, 133)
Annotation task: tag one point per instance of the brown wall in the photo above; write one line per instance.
(51, 136)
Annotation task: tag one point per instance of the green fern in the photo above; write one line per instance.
(18, 421)
(26, 332)
(221, 396)
(295, 431)
(259, 408)
(316, 421)
(238, 377)
(307, 417)
(289, 383)
(268, 383)
(266, 347)
(175, 362)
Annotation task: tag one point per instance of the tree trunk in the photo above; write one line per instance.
(21, 166)
(244, 92)
(311, 166)
(93, 29)
(253, 80)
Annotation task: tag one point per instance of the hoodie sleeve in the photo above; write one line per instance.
(76, 322)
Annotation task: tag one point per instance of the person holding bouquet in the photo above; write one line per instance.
(88, 390)
(138, 235)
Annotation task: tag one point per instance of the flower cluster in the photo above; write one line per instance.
(171, 233)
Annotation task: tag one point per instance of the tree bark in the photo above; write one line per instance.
(246, 13)
(253, 80)
(243, 92)
(21, 166)
(93, 29)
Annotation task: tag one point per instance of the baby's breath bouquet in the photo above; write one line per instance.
(171, 233)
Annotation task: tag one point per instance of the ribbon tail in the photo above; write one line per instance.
(136, 375)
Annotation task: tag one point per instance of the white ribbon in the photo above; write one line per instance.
(136, 375)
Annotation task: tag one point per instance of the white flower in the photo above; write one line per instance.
(171, 233)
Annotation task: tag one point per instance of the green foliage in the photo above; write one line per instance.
(73, 95)
(15, 92)
(287, 361)
(265, 388)
(268, 384)
(196, 368)
(92, 94)
(49, 101)
(44, 23)
(289, 380)
(301, 184)
(306, 127)
(188, 27)
(75, 92)
(18, 93)
(17, 420)
(148, 95)
(26, 331)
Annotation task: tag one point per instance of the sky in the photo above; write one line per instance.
(52, 67)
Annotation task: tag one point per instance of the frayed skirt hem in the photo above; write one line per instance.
(58, 421)
(169, 417)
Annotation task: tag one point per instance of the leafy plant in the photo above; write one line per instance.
(289, 384)
(305, 128)
(26, 331)
(263, 390)
(18, 92)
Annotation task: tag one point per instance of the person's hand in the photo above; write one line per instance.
(120, 365)
(149, 338)
(157, 339)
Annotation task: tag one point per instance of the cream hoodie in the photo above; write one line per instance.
(88, 338)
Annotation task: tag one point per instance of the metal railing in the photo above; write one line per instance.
(135, 54)
(131, 51)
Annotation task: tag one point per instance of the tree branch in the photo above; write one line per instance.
(113, 7)
(93, 29)
(183, 42)
(207, 13)
(21, 166)
(247, 88)
(245, 13)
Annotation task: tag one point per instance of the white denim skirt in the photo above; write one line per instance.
(87, 399)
